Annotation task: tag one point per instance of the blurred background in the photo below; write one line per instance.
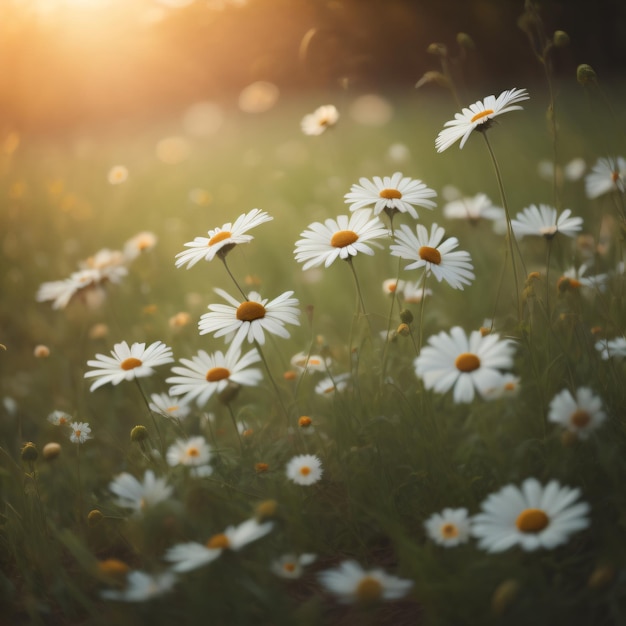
(71, 63)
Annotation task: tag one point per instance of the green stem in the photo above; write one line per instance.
(154, 422)
(241, 291)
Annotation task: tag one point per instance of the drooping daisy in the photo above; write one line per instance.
(251, 318)
(478, 117)
(138, 496)
(349, 582)
(469, 364)
(207, 374)
(320, 120)
(291, 565)
(80, 432)
(393, 285)
(191, 555)
(430, 251)
(338, 239)
(449, 528)
(542, 221)
(607, 175)
(392, 194)
(59, 418)
(508, 387)
(221, 240)
(192, 452)
(141, 586)
(532, 517)
(128, 362)
(580, 414)
(575, 278)
(612, 348)
(473, 209)
(164, 404)
(304, 469)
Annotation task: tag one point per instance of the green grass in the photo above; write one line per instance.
(393, 453)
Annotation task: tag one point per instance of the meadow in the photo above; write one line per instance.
(346, 473)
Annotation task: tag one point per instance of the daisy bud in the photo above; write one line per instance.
(290, 375)
(305, 421)
(51, 451)
(139, 433)
(437, 49)
(41, 352)
(29, 452)
(503, 596)
(465, 41)
(179, 320)
(601, 577)
(560, 39)
(98, 331)
(433, 77)
(261, 468)
(94, 517)
(266, 510)
(585, 74)
(406, 316)
(403, 330)
(484, 331)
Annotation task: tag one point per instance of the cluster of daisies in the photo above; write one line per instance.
(469, 365)
(89, 282)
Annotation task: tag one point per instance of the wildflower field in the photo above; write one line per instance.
(355, 364)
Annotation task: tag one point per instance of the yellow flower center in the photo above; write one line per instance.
(218, 542)
(171, 409)
(113, 567)
(614, 176)
(305, 471)
(289, 567)
(482, 114)
(217, 373)
(343, 238)
(193, 451)
(390, 194)
(250, 311)
(314, 361)
(580, 418)
(224, 234)
(467, 362)
(449, 531)
(509, 386)
(304, 421)
(77, 434)
(130, 363)
(62, 420)
(532, 521)
(432, 255)
(368, 589)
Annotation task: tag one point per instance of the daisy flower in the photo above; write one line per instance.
(192, 452)
(606, 176)
(508, 387)
(428, 250)
(59, 418)
(310, 362)
(141, 242)
(80, 432)
(351, 583)
(59, 292)
(221, 240)
(138, 496)
(251, 318)
(478, 117)
(329, 385)
(191, 555)
(164, 404)
(117, 175)
(393, 285)
(128, 362)
(304, 469)
(574, 278)
(208, 374)
(392, 194)
(467, 364)
(141, 586)
(473, 209)
(580, 414)
(321, 119)
(609, 348)
(542, 221)
(291, 565)
(449, 528)
(532, 517)
(414, 292)
(338, 239)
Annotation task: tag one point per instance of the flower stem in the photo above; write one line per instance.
(241, 291)
(274, 385)
(154, 422)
